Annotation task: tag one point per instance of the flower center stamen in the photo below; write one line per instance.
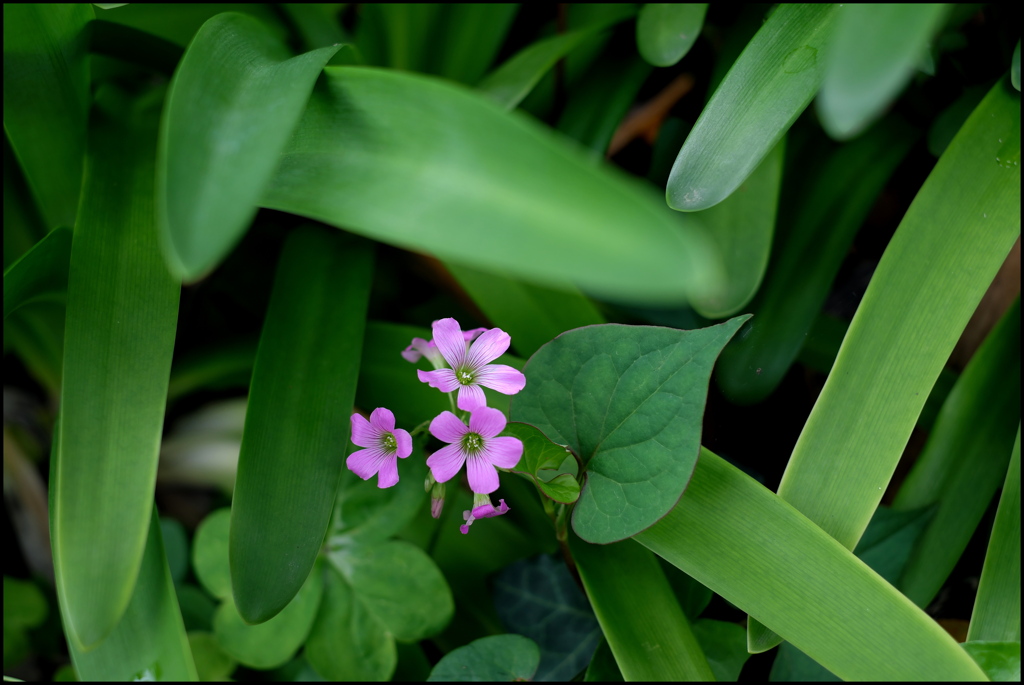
(389, 443)
(472, 443)
(464, 376)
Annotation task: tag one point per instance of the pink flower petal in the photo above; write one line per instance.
(415, 350)
(503, 452)
(464, 528)
(442, 379)
(448, 338)
(366, 463)
(488, 347)
(447, 427)
(483, 478)
(388, 474)
(486, 511)
(504, 379)
(472, 334)
(486, 421)
(383, 419)
(363, 433)
(404, 441)
(446, 462)
(471, 397)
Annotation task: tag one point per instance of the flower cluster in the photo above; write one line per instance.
(472, 431)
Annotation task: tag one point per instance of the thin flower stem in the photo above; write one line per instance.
(420, 428)
(451, 398)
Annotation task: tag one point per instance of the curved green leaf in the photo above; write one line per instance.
(1015, 67)
(935, 270)
(212, 662)
(665, 32)
(1000, 660)
(498, 658)
(122, 313)
(996, 613)
(235, 98)
(297, 421)
(46, 100)
(762, 95)
(840, 194)
(468, 38)
(538, 598)
(272, 643)
(743, 225)
(628, 400)
(149, 642)
(512, 81)
(40, 273)
(639, 615)
(874, 52)
(480, 186)
(541, 462)
(724, 645)
(964, 461)
(759, 553)
(210, 553)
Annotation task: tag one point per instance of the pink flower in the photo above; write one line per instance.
(384, 446)
(482, 509)
(427, 348)
(476, 445)
(471, 365)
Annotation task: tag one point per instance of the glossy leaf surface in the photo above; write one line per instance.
(1000, 660)
(234, 101)
(628, 400)
(759, 553)
(122, 313)
(762, 95)
(874, 53)
(480, 186)
(665, 32)
(297, 422)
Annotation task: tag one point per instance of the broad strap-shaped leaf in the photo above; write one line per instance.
(743, 225)
(480, 186)
(468, 38)
(761, 554)
(965, 459)
(40, 273)
(996, 613)
(639, 615)
(498, 658)
(122, 311)
(874, 53)
(531, 314)
(233, 103)
(539, 599)
(764, 92)
(149, 642)
(297, 422)
(665, 32)
(629, 401)
(840, 194)
(935, 270)
(46, 100)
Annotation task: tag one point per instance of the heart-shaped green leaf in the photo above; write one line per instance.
(629, 401)
(498, 658)
(541, 463)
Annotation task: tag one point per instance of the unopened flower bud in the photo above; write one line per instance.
(436, 499)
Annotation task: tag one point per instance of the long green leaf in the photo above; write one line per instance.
(179, 22)
(762, 95)
(41, 273)
(122, 313)
(297, 422)
(936, 268)
(839, 196)
(965, 459)
(997, 608)
(872, 56)
(481, 187)
(46, 100)
(665, 32)
(639, 615)
(149, 642)
(234, 100)
(758, 552)
(743, 225)
(469, 37)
